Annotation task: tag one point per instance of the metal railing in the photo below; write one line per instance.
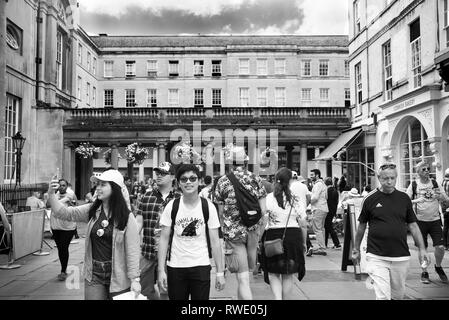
(16, 196)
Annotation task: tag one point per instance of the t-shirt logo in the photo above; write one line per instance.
(190, 230)
(379, 205)
(428, 194)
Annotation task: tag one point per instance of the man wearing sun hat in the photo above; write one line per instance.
(148, 212)
(426, 197)
(445, 207)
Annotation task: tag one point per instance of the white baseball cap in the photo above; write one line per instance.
(110, 176)
(116, 177)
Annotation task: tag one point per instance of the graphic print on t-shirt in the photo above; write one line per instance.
(188, 228)
(426, 192)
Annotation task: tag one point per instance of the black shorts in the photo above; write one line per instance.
(193, 282)
(432, 228)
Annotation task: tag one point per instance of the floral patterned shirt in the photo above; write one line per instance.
(233, 227)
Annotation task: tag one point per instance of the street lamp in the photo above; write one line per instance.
(18, 142)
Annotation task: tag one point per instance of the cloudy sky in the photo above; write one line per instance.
(145, 17)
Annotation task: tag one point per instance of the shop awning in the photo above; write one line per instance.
(344, 140)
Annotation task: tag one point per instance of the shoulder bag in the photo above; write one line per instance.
(276, 247)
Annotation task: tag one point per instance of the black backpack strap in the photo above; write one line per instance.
(435, 184)
(414, 187)
(205, 208)
(174, 212)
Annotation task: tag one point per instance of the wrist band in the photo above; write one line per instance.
(220, 274)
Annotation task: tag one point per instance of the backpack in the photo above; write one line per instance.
(174, 212)
(246, 202)
(415, 187)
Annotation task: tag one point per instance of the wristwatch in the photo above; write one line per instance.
(137, 279)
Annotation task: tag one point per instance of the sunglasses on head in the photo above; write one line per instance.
(388, 166)
(191, 179)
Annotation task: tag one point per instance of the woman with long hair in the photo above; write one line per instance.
(285, 214)
(111, 260)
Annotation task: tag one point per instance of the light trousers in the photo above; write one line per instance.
(388, 277)
(318, 219)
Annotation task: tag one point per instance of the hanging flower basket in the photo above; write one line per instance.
(86, 150)
(267, 156)
(136, 154)
(185, 153)
(107, 156)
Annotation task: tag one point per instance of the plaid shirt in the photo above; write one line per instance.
(150, 207)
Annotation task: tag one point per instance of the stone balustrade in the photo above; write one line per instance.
(198, 113)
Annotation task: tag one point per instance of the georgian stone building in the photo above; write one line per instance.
(399, 60)
(289, 92)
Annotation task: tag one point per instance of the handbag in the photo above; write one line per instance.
(276, 247)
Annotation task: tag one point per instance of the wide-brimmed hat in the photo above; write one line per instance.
(165, 167)
(354, 192)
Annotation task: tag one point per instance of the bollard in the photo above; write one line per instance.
(353, 223)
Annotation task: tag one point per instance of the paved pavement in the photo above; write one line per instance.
(36, 280)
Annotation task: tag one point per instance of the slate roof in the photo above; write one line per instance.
(217, 41)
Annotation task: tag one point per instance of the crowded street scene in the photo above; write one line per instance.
(203, 151)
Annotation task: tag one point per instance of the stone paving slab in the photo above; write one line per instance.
(20, 287)
(336, 290)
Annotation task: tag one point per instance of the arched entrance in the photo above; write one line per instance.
(445, 144)
(412, 146)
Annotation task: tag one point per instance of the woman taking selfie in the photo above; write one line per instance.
(111, 260)
(285, 218)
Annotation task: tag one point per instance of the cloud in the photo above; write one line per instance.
(324, 17)
(139, 17)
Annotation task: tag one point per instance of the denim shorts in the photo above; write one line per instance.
(101, 272)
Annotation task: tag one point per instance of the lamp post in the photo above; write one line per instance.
(18, 142)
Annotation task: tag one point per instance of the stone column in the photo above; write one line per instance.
(253, 157)
(67, 163)
(208, 151)
(155, 161)
(114, 156)
(289, 149)
(161, 153)
(2, 82)
(222, 163)
(317, 152)
(141, 172)
(303, 163)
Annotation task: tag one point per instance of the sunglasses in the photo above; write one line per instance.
(162, 173)
(388, 166)
(191, 179)
(425, 169)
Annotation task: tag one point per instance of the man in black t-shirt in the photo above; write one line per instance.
(388, 213)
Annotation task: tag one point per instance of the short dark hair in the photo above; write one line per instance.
(126, 178)
(207, 179)
(317, 172)
(66, 182)
(186, 168)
